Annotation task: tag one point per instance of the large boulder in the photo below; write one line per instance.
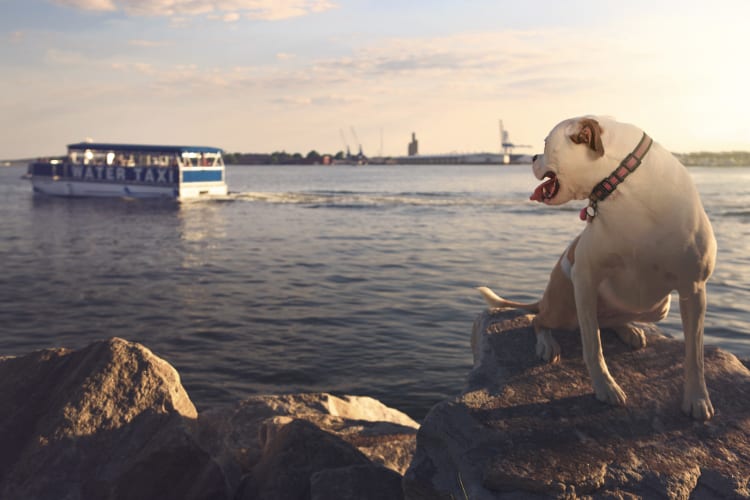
(242, 435)
(523, 427)
(356, 482)
(111, 420)
(302, 462)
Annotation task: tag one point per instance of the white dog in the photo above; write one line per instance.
(646, 235)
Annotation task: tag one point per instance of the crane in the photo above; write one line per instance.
(356, 141)
(506, 147)
(346, 144)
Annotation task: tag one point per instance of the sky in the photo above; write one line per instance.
(302, 75)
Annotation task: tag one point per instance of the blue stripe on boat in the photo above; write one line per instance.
(201, 175)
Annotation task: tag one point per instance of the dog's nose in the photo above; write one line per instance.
(534, 158)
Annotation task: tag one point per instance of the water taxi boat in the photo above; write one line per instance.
(132, 171)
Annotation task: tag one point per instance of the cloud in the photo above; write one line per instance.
(60, 57)
(100, 5)
(319, 100)
(226, 10)
(142, 68)
(273, 10)
(472, 65)
(147, 43)
(16, 37)
(457, 69)
(450, 70)
(337, 100)
(293, 101)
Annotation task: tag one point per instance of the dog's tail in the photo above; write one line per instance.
(496, 301)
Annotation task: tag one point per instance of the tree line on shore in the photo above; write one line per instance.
(280, 158)
(711, 159)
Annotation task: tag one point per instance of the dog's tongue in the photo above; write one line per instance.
(541, 190)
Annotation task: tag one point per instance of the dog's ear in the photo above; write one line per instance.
(589, 133)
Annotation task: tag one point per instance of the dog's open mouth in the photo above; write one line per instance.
(547, 189)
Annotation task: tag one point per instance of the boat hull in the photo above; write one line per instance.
(121, 182)
(67, 187)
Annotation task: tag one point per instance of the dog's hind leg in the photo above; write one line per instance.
(547, 347)
(631, 334)
(696, 401)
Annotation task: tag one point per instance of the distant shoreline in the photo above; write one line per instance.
(708, 159)
(700, 159)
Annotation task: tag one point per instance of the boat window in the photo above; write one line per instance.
(113, 157)
(203, 159)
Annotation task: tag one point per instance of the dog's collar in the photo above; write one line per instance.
(608, 185)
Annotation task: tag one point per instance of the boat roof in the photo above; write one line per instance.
(144, 148)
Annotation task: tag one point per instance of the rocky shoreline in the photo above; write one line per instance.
(528, 429)
(112, 421)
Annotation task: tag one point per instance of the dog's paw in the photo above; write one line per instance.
(700, 407)
(547, 347)
(609, 392)
(632, 335)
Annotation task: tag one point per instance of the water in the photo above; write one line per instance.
(355, 280)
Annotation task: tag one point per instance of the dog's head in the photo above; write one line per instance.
(572, 162)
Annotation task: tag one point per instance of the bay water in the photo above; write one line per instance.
(352, 280)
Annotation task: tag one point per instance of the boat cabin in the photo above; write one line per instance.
(132, 170)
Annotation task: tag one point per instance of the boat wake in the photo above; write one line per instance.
(355, 199)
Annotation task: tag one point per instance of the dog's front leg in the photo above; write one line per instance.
(695, 401)
(586, 295)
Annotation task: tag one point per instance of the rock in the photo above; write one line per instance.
(108, 421)
(239, 436)
(356, 482)
(523, 427)
(300, 462)
(113, 421)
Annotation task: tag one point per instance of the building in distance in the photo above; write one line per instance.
(413, 145)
